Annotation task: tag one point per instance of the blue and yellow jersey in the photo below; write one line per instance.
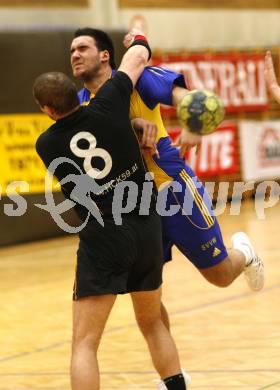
(194, 229)
(153, 87)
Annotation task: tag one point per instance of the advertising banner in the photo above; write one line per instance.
(218, 153)
(18, 158)
(260, 149)
(238, 79)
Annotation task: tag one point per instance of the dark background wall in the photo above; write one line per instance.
(25, 55)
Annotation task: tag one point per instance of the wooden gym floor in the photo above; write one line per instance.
(228, 339)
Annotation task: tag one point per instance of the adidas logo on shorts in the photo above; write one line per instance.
(216, 252)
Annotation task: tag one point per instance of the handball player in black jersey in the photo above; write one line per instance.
(97, 150)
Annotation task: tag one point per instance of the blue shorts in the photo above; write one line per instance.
(193, 229)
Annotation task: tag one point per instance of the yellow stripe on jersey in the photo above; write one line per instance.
(161, 178)
(138, 109)
(198, 199)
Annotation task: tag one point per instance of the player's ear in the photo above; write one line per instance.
(48, 110)
(104, 56)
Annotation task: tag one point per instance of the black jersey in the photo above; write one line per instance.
(96, 145)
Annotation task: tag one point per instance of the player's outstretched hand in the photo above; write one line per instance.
(270, 77)
(186, 140)
(129, 37)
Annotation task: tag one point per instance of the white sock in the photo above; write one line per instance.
(239, 241)
(246, 252)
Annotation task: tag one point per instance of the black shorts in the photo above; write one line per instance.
(119, 259)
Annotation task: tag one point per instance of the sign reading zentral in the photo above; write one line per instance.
(18, 158)
(237, 78)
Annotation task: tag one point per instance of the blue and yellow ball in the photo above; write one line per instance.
(201, 111)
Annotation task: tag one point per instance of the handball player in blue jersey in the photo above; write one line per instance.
(197, 233)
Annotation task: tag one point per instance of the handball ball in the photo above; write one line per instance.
(201, 111)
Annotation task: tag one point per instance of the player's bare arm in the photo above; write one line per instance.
(270, 77)
(135, 60)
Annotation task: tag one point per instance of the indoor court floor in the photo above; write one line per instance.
(228, 339)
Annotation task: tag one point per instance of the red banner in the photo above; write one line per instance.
(237, 78)
(218, 154)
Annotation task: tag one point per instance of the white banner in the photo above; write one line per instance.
(237, 78)
(260, 149)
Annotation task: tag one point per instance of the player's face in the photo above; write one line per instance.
(85, 57)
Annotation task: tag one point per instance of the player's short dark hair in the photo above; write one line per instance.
(103, 41)
(56, 90)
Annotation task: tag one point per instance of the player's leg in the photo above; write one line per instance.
(160, 342)
(196, 232)
(144, 284)
(166, 322)
(100, 275)
(225, 272)
(89, 318)
(242, 258)
(165, 316)
(228, 265)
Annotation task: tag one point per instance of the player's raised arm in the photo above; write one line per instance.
(136, 57)
(270, 77)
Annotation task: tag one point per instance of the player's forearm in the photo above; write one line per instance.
(134, 61)
(136, 58)
(137, 125)
(177, 95)
(147, 134)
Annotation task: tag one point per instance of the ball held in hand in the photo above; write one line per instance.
(200, 111)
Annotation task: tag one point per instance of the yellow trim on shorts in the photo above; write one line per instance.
(198, 199)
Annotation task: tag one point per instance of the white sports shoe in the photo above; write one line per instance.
(254, 270)
(161, 384)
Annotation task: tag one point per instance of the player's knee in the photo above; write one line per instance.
(147, 323)
(219, 275)
(88, 340)
(222, 281)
